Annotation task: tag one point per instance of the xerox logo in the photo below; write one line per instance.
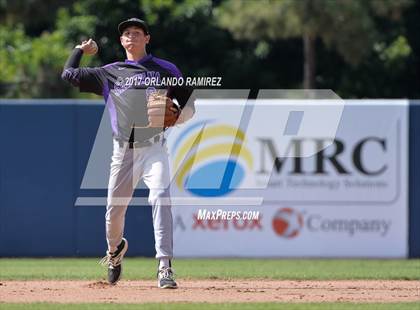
(287, 223)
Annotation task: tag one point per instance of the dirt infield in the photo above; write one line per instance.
(210, 291)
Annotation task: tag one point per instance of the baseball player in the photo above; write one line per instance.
(139, 114)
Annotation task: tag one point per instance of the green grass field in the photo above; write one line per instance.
(282, 269)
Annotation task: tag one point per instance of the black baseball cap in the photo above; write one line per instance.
(133, 22)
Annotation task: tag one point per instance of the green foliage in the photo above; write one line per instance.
(363, 48)
(31, 67)
(76, 28)
(346, 25)
(254, 20)
(27, 64)
(394, 53)
(15, 46)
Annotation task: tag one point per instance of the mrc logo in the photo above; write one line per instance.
(211, 159)
(287, 223)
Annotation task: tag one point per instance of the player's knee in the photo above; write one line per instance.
(159, 197)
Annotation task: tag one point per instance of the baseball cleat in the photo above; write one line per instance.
(166, 278)
(113, 261)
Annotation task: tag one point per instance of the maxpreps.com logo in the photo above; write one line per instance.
(211, 159)
(287, 222)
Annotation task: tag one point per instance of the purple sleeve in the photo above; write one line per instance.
(87, 79)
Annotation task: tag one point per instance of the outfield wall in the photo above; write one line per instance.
(414, 179)
(47, 148)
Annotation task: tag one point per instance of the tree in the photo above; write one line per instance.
(345, 25)
(36, 16)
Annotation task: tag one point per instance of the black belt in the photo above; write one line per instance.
(146, 143)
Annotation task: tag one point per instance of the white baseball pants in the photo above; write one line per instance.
(127, 167)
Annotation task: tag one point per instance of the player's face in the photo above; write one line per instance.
(133, 39)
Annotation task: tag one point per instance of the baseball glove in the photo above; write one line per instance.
(162, 112)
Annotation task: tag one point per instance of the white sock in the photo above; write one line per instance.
(163, 262)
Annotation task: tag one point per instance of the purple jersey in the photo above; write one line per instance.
(125, 87)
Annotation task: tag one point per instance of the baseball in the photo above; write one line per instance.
(89, 47)
(93, 47)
